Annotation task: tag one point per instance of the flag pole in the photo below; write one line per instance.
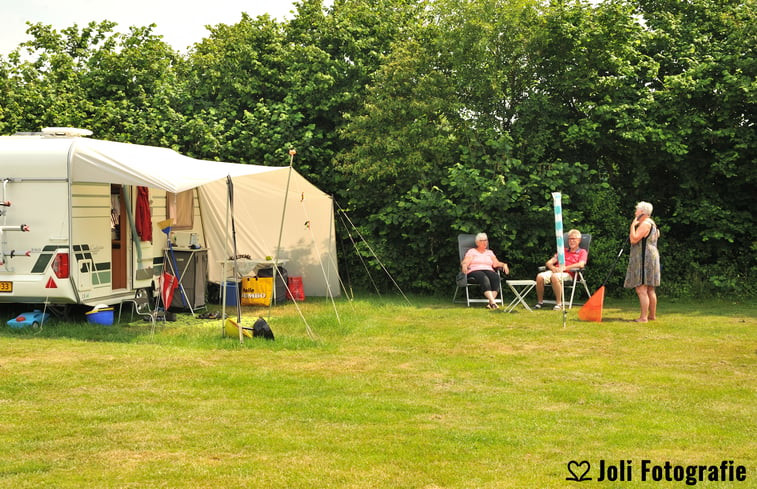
(557, 200)
(592, 309)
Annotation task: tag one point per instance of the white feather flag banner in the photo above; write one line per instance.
(557, 198)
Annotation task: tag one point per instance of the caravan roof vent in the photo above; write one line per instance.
(65, 132)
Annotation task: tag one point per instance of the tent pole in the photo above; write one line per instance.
(230, 187)
(223, 268)
(320, 260)
(375, 257)
(292, 152)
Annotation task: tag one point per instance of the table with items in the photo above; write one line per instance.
(248, 267)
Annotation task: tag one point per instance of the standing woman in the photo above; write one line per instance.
(643, 272)
(480, 263)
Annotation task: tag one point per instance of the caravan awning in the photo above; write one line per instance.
(99, 161)
(305, 237)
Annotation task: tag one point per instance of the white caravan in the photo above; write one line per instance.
(74, 226)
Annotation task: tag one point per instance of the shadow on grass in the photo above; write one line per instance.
(55, 329)
(186, 333)
(686, 306)
(616, 319)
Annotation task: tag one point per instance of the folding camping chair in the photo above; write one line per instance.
(464, 243)
(578, 275)
(143, 308)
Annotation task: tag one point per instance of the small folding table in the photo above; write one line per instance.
(520, 288)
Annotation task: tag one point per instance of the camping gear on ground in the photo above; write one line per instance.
(232, 292)
(520, 289)
(592, 309)
(257, 291)
(232, 329)
(260, 329)
(282, 277)
(165, 226)
(101, 314)
(209, 315)
(461, 279)
(193, 270)
(214, 292)
(168, 285)
(145, 304)
(295, 290)
(34, 319)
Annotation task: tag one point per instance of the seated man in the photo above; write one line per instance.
(575, 258)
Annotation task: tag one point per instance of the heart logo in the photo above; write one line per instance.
(578, 470)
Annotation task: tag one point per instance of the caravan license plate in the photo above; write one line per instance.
(6, 286)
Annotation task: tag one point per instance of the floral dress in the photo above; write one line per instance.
(644, 261)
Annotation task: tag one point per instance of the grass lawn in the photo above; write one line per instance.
(430, 395)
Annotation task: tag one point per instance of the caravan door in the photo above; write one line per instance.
(118, 244)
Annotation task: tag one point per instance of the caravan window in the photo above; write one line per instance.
(180, 207)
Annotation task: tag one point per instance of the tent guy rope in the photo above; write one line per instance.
(373, 253)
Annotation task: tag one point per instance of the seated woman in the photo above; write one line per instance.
(480, 264)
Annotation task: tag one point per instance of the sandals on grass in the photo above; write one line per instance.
(209, 315)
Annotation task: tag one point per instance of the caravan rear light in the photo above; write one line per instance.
(60, 265)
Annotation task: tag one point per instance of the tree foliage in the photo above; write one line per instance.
(428, 118)
(121, 86)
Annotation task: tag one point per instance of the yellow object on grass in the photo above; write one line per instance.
(232, 329)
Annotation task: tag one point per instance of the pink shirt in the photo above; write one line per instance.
(480, 261)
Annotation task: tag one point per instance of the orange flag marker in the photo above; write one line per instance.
(592, 309)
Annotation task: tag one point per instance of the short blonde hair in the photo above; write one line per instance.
(481, 237)
(574, 233)
(645, 207)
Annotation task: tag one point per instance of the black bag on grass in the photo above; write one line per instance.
(261, 329)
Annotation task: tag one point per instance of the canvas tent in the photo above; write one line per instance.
(307, 238)
(307, 244)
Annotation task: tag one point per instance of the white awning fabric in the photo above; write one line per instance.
(308, 239)
(93, 160)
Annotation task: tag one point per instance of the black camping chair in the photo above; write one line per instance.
(578, 275)
(464, 243)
